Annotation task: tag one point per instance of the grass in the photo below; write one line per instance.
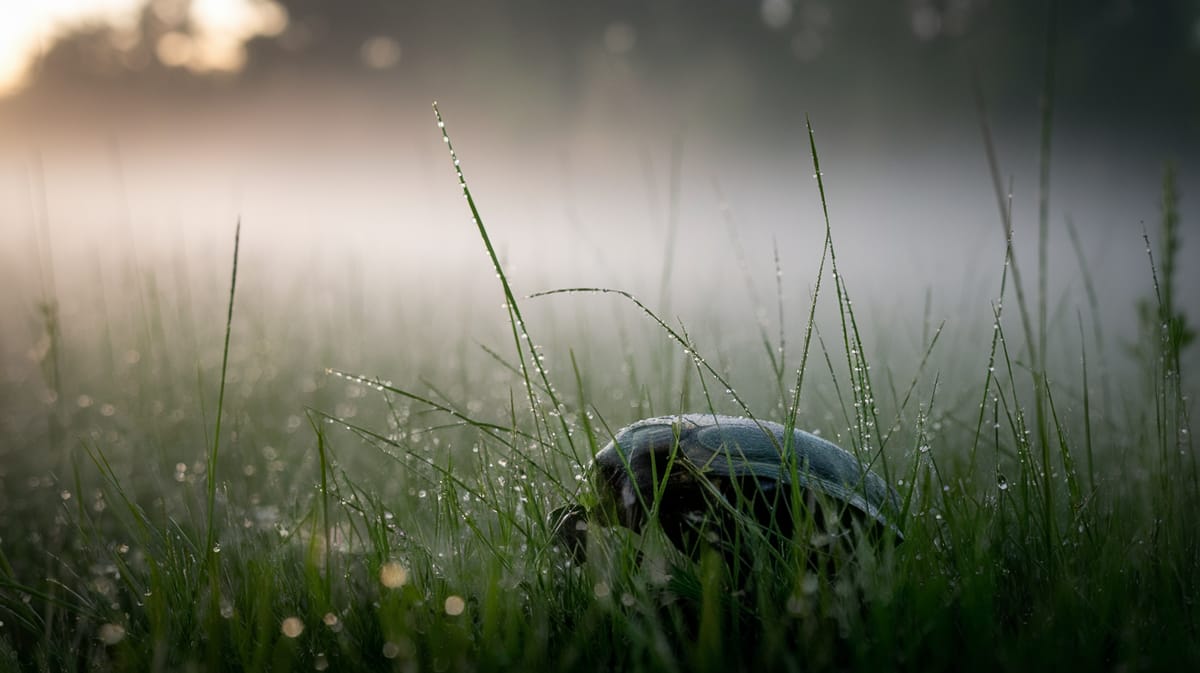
(341, 521)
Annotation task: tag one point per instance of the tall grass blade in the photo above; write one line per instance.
(1004, 205)
(211, 545)
(520, 332)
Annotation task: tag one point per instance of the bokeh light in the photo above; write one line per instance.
(393, 575)
(111, 634)
(455, 605)
(292, 627)
(206, 35)
(380, 52)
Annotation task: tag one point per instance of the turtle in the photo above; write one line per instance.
(715, 472)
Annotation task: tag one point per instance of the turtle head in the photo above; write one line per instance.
(627, 472)
(614, 503)
(617, 492)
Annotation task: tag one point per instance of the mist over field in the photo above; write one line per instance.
(589, 134)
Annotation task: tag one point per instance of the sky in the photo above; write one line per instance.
(593, 130)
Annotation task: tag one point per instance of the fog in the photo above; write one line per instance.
(588, 138)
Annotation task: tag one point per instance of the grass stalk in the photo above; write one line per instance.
(1038, 362)
(866, 411)
(516, 321)
(211, 544)
(213, 455)
(1005, 208)
(1089, 288)
(1087, 411)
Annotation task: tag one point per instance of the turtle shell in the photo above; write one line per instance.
(725, 448)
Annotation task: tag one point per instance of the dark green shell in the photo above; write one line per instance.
(742, 447)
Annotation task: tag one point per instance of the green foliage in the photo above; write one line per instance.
(1166, 330)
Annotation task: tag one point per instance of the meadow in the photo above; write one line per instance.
(206, 472)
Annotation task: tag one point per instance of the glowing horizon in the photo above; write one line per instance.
(215, 43)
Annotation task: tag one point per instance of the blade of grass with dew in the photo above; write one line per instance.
(997, 335)
(1087, 410)
(378, 439)
(912, 385)
(1089, 288)
(1004, 204)
(211, 548)
(516, 321)
(866, 412)
(671, 333)
(326, 524)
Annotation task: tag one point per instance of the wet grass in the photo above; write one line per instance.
(171, 507)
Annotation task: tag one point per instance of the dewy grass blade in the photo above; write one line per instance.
(1005, 207)
(866, 411)
(210, 537)
(211, 545)
(671, 333)
(517, 321)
